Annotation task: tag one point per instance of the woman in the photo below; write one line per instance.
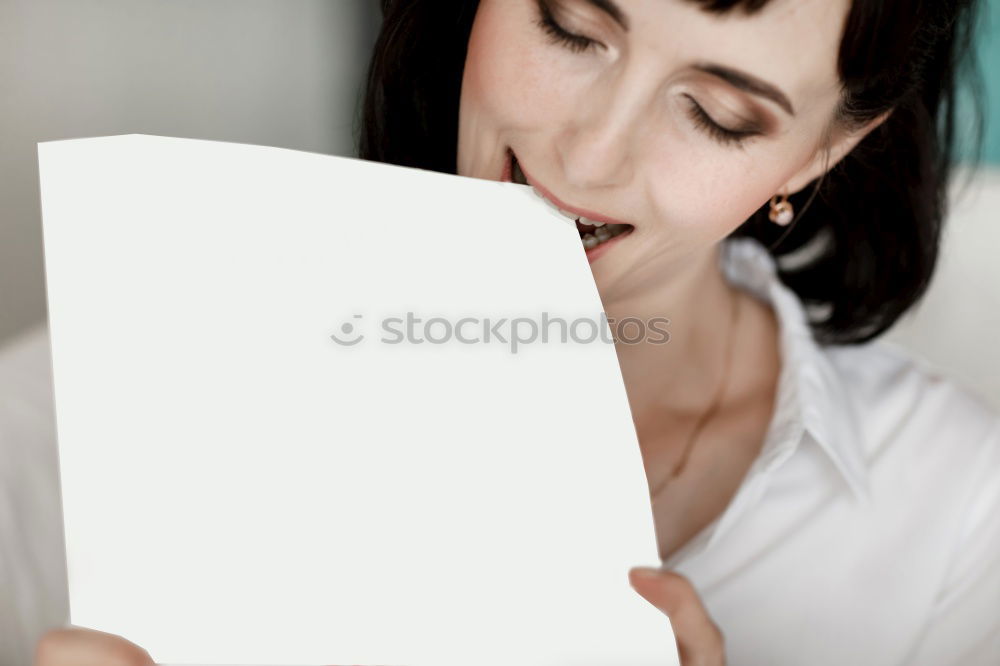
(771, 176)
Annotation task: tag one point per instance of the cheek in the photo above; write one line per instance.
(508, 79)
(704, 192)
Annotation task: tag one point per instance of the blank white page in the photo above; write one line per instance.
(240, 488)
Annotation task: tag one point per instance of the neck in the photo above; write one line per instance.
(678, 376)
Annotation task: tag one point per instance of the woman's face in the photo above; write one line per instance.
(625, 126)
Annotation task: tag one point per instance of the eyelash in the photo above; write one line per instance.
(559, 35)
(721, 134)
(579, 43)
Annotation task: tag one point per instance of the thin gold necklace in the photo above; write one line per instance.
(716, 400)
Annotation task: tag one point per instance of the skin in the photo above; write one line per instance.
(76, 646)
(609, 129)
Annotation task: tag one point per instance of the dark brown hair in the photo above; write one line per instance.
(875, 218)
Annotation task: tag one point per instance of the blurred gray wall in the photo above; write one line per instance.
(953, 329)
(272, 72)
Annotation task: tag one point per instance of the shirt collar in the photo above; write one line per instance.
(812, 397)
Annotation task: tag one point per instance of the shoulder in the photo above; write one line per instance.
(933, 457)
(892, 390)
(924, 436)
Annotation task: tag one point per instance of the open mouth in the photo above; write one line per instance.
(593, 233)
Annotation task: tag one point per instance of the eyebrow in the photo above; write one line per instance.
(748, 83)
(734, 77)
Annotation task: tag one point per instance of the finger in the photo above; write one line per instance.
(699, 640)
(76, 646)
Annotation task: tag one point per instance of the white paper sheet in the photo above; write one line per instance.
(239, 488)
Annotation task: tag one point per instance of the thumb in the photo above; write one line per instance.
(699, 640)
(86, 647)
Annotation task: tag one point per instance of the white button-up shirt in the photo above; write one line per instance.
(867, 531)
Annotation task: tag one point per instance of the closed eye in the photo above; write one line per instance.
(547, 22)
(723, 135)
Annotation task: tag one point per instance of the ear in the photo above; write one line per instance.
(838, 145)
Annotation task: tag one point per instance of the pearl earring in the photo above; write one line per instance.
(781, 211)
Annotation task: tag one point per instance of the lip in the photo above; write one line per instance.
(580, 212)
(594, 252)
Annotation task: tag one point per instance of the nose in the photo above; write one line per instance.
(597, 147)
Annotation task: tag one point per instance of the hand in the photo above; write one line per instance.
(699, 640)
(76, 646)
